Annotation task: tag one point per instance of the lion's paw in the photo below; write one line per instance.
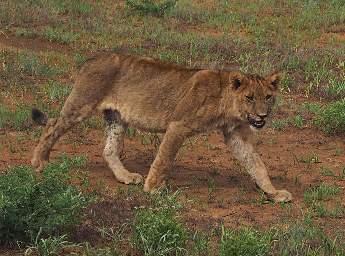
(131, 178)
(152, 185)
(38, 164)
(282, 196)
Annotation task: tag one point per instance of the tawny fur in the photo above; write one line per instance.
(158, 97)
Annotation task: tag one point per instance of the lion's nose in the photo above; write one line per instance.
(262, 116)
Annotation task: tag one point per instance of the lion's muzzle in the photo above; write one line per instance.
(256, 122)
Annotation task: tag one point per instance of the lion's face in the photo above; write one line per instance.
(255, 97)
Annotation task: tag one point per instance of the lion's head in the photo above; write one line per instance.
(254, 96)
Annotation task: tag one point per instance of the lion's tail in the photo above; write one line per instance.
(39, 117)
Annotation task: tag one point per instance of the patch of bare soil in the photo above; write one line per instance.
(11, 42)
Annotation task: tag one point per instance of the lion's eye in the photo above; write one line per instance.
(250, 98)
(268, 97)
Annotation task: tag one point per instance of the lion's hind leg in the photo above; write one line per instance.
(56, 127)
(113, 148)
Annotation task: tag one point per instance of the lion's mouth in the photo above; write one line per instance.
(258, 124)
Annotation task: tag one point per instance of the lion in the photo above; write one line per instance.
(154, 96)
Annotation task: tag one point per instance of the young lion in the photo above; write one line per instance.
(158, 97)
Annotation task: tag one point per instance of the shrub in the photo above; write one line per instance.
(158, 233)
(157, 8)
(31, 205)
(244, 242)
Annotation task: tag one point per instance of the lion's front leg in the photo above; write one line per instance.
(172, 141)
(245, 153)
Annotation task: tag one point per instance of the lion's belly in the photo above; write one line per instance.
(135, 114)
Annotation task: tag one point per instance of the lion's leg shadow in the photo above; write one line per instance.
(113, 147)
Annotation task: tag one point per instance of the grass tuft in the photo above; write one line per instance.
(32, 207)
(332, 117)
(304, 238)
(18, 119)
(158, 233)
(244, 242)
(151, 7)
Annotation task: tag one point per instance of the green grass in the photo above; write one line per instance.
(244, 242)
(331, 118)
(201, 243)
(157, 230)
(18, 119)
(31, 207)
(20, 70)
(158, 233)
(55, 35)
(24, 32)
(316, 198)
(31, 65)
(55, 92)
(298, 121)
(336, 88)
(322, 192)
(53, 245)
(151, 7)
(309, 159)
(305, 238)
(279, 124)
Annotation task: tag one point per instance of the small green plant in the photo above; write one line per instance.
(201, 244)
(152, 7)
(304, 238)
(309, 159)
(158, 232)
(5, 116)
(30, 65)
(30, 206)
(298, 121)
(315, 198)
(79, 59)
(336, 88)
(325, 171)
(331, 118)
(322, 192)
(51, 246)
(337, 211)
(58, 36)
(286, 82)
(211, 187)
(279, 124)
(88, 250)
(23, 32)
(15, 119)
(56, 92)
(164, 199)
(244, 242)
(314, 108)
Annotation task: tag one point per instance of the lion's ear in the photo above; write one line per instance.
(274, 80)
(236, 79)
